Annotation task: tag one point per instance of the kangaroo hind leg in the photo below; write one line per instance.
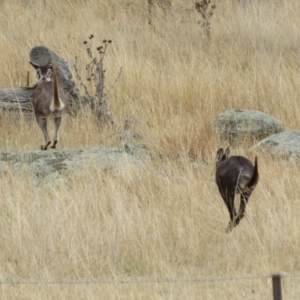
(42, 122)
(58, 120)
(241, 214)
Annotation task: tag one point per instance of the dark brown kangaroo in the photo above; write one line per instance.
(48, 99)
(235, 175)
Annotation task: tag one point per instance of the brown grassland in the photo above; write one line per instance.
(153, 233)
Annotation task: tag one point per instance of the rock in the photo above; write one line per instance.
(137, 150)
(238, 125)
(130, 136)
(133, 143)
(285, 145)
(52, 164)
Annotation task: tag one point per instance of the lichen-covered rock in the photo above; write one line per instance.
(238, 125)
(52, 164)
(130, 136)
(134, 143)
(285, 145)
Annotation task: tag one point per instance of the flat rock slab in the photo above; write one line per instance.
(52, 164)
(285, 145)
(238, 125)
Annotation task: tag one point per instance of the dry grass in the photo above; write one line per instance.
(166, 222)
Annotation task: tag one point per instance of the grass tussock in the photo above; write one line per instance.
(166, 221)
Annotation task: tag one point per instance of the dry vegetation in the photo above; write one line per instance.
(154, 225)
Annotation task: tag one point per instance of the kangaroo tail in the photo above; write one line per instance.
(254, 179)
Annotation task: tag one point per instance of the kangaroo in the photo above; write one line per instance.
(235, 175)
(49, 100)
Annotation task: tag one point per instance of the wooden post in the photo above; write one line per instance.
(276, 282)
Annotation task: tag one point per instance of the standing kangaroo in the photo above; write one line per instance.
(49, 100)
(235, 175)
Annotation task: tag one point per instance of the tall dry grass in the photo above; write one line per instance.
(163, 222)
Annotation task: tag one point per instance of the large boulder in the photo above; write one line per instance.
(238, 125)
(285, 145)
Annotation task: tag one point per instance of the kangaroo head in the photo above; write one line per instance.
(44, 74)
(221, 155)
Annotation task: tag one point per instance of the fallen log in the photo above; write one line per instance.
(16, 98)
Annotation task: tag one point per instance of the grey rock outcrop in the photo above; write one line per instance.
(238, 125)
(284, 145)
(134, 143)
(52, 164)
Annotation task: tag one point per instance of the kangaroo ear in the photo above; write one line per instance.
(39, 74)
(227, 153)
(48, 74)
(220, 154)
